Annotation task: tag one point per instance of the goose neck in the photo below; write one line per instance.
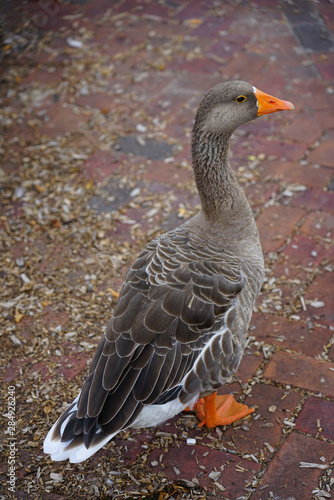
(218, 188)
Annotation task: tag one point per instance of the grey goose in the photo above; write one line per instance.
(180, 324)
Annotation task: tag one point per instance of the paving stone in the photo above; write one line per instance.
(317, 99)
(64, 120)
(168, 173)
(272, 406)
(285, 478)
(250, 363)
(300, 259)
(101, 164)
(260, 194)
(308, 175)
(318, 224)
(193, 10)
(272, 237)
(198, 462)
(211, 27)
(323, 155)
(151, 148)
(246, 64)
(301, 371)
(320, 290)
(324, 64)
(314, 199)
(197, 66)
(180, 123)
(304, 129)
(13, 367)
(326, 119)
(102, 101)
(114, 195)
(316, 418)
(51, 318)
(228, 45)
(294, 335)
(272, 148)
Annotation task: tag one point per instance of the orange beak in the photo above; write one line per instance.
(269, 104)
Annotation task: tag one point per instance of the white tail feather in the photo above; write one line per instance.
(58, 449)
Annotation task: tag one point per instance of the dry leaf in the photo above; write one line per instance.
(18, 316)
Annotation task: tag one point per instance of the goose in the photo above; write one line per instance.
(180, 325)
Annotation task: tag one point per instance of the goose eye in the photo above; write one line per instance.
(240, 98)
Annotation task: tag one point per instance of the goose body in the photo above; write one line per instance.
(180, 325)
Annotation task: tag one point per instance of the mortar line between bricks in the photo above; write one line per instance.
(265, 464)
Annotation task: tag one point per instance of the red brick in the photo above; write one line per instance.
(195, 66)
(168, 173)
(14, 367)
(308, 175)
(314, 199)
(313, 94)
(324, 153)
(318, 224)
(129, 448)
(211, 27)
(250, 436)
(270, 77)
(102, 101)
(228, 45)
(197, 84)
(250, 363)
(301, 371)
(295, 335)
(316, 411)
(285, 478)
(101, 165)
(51, 318)
(155, 9)
(42, 76)
(72, 364)
(192, 10)
(270, 147)
(275, 225)
(260, 193)
(304, 129)
(288, 297)
(63, 120)
(325, 118)
(166, 104)
(188, 459)
(325, 65)
(258, 130)
(180, 124)
(300, 258)
(321, 289)
(246, 64)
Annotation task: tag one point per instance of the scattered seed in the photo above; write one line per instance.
(269, 447)
(317, 304)
(310, 465)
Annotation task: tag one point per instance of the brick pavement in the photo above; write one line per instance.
(98, 100)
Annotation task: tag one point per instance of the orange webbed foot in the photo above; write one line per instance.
(216, 410)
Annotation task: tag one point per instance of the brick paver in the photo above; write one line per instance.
(98, 100)
(301, 371)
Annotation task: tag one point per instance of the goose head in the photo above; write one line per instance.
(231, 104)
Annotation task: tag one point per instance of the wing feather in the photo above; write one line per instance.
(172, 303)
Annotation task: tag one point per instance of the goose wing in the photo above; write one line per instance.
(174, 300)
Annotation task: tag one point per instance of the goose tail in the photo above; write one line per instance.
(73, 438)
